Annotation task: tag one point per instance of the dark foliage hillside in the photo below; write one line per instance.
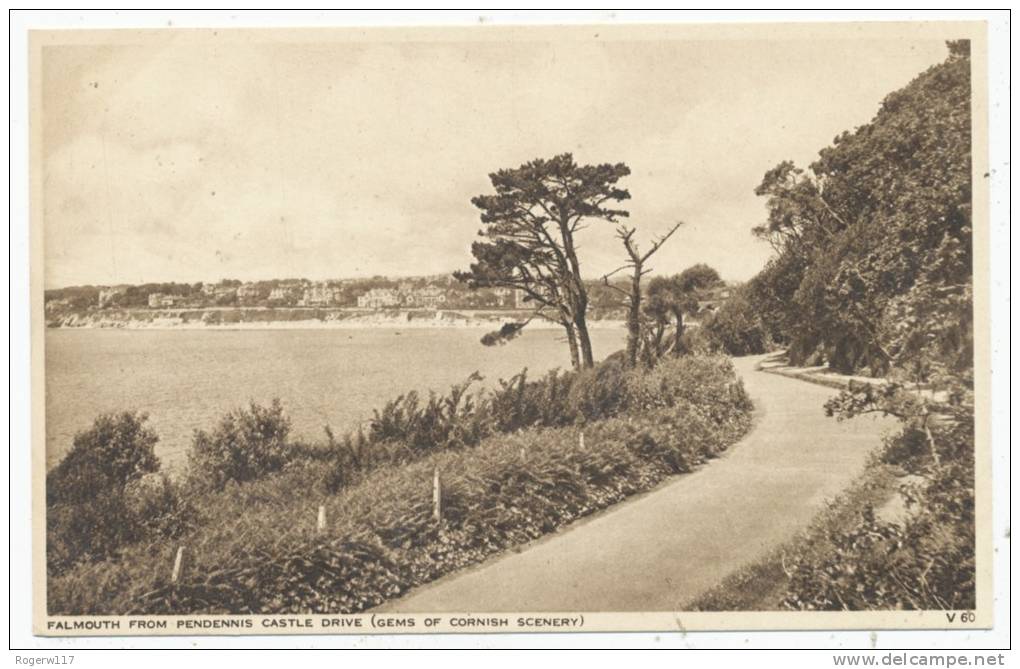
(873, 240)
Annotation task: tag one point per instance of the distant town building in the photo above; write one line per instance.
(281, 294)
(159, 300)
(430, 297)
(504, 295)
(519, 299)
(56, 305)
(320, 295)
(247, 291)
(107, 294)
(218, 291)
(378, 298)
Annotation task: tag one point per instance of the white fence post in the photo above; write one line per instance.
(437, 496)
(178, 565)
(320, 524)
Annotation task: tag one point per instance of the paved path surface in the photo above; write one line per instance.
(662, 549)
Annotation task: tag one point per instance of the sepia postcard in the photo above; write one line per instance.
(510, 329)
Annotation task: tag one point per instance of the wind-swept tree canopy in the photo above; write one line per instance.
(676, 296)
(528, 237)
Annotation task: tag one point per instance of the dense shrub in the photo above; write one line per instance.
(599, 392)
(683, 382)
(921, 557)
(924, 560)
(520, 403)
(116, 449)
(98, 497)
(736, 328)
(247, 444)
(440, 422)
(87, 531)
(257, 549)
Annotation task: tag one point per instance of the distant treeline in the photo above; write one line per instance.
(872, 265)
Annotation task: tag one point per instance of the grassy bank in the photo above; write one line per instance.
(513, 467)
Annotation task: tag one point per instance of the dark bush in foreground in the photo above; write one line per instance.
(520, 402)
(247, 444)
(103, 494)
(116, 449)
(257, 549)
(439, 422)
(599, 392)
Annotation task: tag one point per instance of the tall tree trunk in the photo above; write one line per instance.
(575, 359)
(656, 343)
(581, 325)
(678, 341)
(580, 301)
(635, 338)
(634, 318)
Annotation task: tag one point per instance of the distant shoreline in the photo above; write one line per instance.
(298, 319)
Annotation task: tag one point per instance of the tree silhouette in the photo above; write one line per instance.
(529, 229)
(676, 296)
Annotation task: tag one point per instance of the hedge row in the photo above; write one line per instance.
(109, 491)
(258, 550)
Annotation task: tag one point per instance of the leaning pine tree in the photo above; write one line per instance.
(528, 242)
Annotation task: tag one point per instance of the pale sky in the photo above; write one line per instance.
(256, 160)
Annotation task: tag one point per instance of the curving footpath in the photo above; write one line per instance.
(661, 549)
